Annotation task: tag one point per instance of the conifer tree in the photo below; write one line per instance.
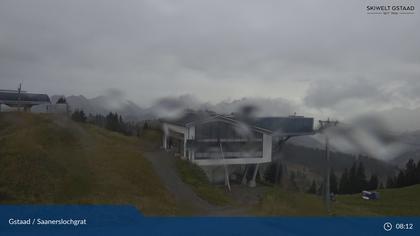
(390, 183)
(418, 172)
(333, 182)
(400, 179)
(344, 183)
(361, 183)
(373, 182)
(410, 173)
(352, 180)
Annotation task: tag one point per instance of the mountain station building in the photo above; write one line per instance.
(225, 145)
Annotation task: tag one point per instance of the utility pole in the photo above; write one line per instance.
(18, 98)
(324, 124)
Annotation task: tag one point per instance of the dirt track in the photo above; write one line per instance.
(164, 165)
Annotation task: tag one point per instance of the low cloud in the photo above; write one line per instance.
(330, 94)
(368, 135)
(326, 58)
(262, 106)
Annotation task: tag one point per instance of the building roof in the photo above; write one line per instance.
(14, 97)
(190, 117)
(291, 125)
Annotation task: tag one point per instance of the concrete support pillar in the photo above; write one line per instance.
(227, 181)
(278, 166)
(261, 172)
(244, 179)
(253, 183)
(165, 136)
(164, 141)
(184, 151)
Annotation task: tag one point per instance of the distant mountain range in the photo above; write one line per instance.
(408, 142)
(172, 106)
(105, 104)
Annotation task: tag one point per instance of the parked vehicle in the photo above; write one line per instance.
(368, 195)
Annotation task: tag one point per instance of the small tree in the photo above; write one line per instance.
(79, 116)
(83, 117)
(270, 174)
(145, 125)
(390, 182)
(418, 172)
(138, 131)
(410, 173)
(61, 100)
(400, 179)
(373, 182)
(344, 183)
(313, 188)
(112, 122)
(293, 184)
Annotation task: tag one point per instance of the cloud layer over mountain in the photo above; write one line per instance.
(323, 58)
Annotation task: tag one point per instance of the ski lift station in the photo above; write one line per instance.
(22, 99)
(226, 146)
(10, 100)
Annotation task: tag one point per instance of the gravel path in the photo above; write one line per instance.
(164, 165)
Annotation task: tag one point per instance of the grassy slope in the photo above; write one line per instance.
(47, 159)
(393, 202)
(287, 203)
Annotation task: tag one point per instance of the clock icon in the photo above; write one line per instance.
(387, 226)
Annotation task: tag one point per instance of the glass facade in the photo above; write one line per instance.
(218, 140)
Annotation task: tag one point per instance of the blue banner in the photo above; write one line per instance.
(127, 220)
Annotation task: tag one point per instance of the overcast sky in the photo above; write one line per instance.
(325, 56)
